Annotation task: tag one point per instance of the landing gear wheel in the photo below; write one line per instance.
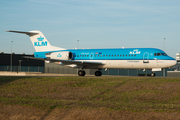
(153, 74)
(98, 73)
(81, 73)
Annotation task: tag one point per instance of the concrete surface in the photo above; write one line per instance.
(5, 73)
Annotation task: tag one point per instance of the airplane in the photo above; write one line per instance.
(116, 58)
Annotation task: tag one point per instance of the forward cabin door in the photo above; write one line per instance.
(146, 57)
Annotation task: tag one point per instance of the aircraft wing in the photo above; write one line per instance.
(68, 61)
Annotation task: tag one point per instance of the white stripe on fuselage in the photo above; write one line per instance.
(131, 64)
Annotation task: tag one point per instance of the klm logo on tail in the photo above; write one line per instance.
(40, 42)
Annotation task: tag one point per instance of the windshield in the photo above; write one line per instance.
(159, 54)
(164, 54)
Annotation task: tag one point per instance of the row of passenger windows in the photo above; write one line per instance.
(155, 54)
(105, 55)
(159, 54)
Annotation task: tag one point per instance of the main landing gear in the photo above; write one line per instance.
(82, 73)
(98, 73)
(153, 74)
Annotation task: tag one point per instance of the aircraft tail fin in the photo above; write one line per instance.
(38, 40)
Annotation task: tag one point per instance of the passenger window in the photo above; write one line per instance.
(103, 55)
(135, 55)
(129, 55)
(154, 54)
(87, 55)
(77, 55)
(80, 55)
(112, 55)
(117, 55)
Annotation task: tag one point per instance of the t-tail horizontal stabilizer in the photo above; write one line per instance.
(27, 33)
(38, 40)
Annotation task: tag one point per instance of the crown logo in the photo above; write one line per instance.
(40, 38)
(59, 55)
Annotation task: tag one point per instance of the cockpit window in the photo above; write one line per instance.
(159, 54)
(164, 54)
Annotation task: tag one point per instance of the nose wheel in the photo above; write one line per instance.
(81, 73)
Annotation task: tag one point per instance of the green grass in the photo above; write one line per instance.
(115, 93)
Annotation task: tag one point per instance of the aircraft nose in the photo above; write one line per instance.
(173, 62)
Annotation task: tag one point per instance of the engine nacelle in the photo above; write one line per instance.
(66, 55)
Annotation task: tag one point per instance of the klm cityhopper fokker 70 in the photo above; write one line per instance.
(126, 58)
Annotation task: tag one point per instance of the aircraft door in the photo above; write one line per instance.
(146, 57)
(91, 56)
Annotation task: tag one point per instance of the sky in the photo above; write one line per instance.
(95, 23)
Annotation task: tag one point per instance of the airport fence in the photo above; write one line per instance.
(132, 72)
(67, 70)
(122, 72)
(61, 70)
(22, 68)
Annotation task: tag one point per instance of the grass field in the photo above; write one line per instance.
(113, 97)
